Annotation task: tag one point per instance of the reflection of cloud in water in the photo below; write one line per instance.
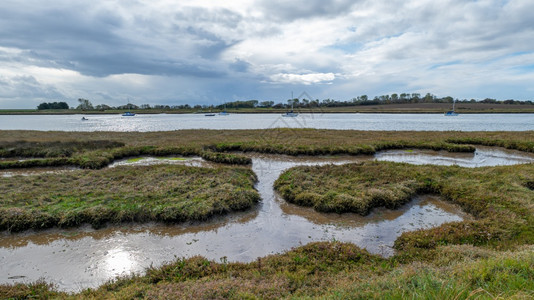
(119, 261)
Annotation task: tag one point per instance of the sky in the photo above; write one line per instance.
(210, 52)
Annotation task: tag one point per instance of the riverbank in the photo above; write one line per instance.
(421, 108)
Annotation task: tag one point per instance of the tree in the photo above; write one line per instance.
(266, 103)
(103, 107)
(43, 105)
(53, 105)
(85, 104)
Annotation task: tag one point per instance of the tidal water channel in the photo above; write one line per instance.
(75, 259)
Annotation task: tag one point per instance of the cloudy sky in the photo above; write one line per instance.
(208, 52)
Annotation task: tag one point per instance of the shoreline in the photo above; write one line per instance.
(419, 108)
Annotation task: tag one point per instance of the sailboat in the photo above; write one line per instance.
(291, 113)
(224, 112)
(451, 112)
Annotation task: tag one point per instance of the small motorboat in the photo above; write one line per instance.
(84, 119)
(128, 114)
(209, 115)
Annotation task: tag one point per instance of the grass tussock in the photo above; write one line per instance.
(497, 197)
(124, 194)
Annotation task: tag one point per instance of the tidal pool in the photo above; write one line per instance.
(75, 259)
(175, 160)
(482, 157)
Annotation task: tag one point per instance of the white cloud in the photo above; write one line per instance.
(305, 79)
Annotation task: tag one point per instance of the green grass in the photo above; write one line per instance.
(167, 193)
(172, 158)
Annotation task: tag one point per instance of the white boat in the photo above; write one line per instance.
(128, 114)
(290, 113)
(451, 113)
(224, 112)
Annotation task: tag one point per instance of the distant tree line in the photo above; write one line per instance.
(53, 105)
(403, 98)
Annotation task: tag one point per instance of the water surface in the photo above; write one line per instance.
(169, 122)
(482, 157)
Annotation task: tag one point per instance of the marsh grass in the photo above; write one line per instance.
(486, 258)
(498, 198)
(97, 159)
(167, 193)
(52, 148)
(99, 149)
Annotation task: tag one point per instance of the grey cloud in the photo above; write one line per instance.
(27, 87)
(301, 9)
(240, 65)
(93, 43)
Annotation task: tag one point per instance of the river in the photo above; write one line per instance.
(170, 122)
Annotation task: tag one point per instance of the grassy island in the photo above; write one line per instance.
(169, 193)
